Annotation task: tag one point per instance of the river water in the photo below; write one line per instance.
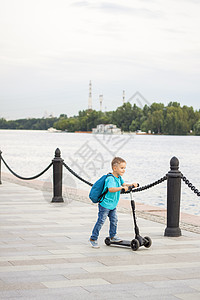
(147, 157)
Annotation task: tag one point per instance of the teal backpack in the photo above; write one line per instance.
(96, 193)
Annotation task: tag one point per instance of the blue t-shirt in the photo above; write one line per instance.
(111, 199)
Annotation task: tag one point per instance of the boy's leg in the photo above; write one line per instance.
(113, 222)
(102, 215)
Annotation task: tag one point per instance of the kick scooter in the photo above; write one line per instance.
(138, 241)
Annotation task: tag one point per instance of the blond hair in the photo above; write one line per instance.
(116, 161)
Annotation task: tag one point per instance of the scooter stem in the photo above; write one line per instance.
(137, 233)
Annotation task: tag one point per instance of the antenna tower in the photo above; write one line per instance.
(101, 101)
(90, 96)
(123, 97)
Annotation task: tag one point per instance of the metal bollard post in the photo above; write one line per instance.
(0, 167)
(173, 199)
(57, 177)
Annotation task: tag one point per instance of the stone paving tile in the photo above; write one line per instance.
(186, 275)
(152, 272)
(55, 256)
(16, 245)
(195, 286)
(22, 268)
(155, 297)
(141, 290)
(77, 282)
(94, 265)
(136, 260)
(41, 273)
(9, 294)
(5, 263)
(21, 286)
(128, 288)
(179, 251)
(119, 277)
(38, 262)
(188, 296)
(65, 296)
(60, 271)
(170, 284)
(32, 279)
(140, 267)
(8, 258)
(69, 293)
(32, 253)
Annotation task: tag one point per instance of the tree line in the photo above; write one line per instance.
(28, 124)
(156, 118)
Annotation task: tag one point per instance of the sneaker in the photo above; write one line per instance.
(94, 244)
(116, 239)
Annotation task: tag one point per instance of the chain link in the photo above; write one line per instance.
(191, 186)
(145, 187)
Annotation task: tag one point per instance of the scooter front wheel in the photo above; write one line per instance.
(148, 242)
(135, 245)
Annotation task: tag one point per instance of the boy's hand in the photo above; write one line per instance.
(125, 188)
(135, 185)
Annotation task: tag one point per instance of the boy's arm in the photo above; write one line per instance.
(130, 184)
(117, 189)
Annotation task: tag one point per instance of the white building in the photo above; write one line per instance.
(106, 129)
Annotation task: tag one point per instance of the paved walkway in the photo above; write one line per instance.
(45, 254)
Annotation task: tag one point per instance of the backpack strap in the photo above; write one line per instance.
(102, 197)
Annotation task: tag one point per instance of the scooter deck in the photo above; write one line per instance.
(122, 243)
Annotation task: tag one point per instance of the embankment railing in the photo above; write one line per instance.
(173, 177)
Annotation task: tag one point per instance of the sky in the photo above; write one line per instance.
(51, 49)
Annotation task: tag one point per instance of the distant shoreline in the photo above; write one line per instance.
(90, 132)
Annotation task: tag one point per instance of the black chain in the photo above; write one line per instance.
(133, 190)
(142, 188)
(75, 174)
(145, 187)
(25, 178)
(191, 186)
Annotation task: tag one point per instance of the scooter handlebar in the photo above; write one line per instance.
(129, 188)
(133, 187)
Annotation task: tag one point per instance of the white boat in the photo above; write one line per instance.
(106, 129)
(51, 129)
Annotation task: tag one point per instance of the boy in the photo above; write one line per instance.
(107, 208)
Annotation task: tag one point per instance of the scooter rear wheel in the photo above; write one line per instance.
(148, 242)
(107, 241)
(135, 245)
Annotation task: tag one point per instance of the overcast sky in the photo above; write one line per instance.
(51, 49)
